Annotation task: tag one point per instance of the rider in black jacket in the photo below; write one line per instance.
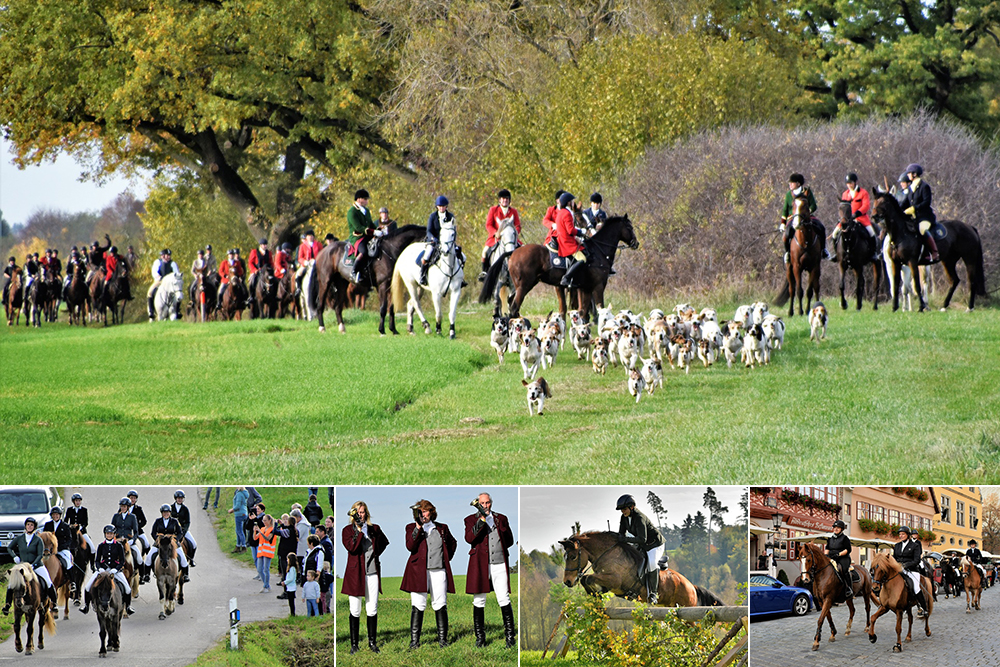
(907, 553)
(838, 548)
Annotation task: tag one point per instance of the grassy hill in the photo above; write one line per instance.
(905, 396)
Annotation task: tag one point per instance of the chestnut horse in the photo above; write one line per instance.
(893, 592)
(805, 254)
(58, 575)
(854, 252)
(961, 241)
(25, 591)
(615, 565)
(973, 584)
(530, 264)
(234, 299)
(15, 299)
(827, 589)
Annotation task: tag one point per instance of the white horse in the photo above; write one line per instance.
(307, 280)
(506, 244)
(906, 281)
(167, 302)
(446, 274)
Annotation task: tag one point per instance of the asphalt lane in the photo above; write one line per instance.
(957, 639)
(194, 627)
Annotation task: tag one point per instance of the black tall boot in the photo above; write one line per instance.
(185, 572)
(441, 616)
(424, 266)
(566, 279)
(127, 601)
(486, 268)
(86, 602)
(416, 625)
(653, 587)
(373, 633)
(848, 586)
(149, 307)
(509, 631)
(52, 597)
(479, 625)
(354, 626)
(191, 556)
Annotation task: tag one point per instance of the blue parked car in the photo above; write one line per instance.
(770, 596)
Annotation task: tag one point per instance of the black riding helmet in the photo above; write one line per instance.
(904, 529)
(30, 520)
(797, 178)
(132, 493)
(110, 529)
(125, 501)
(503, 194)
(596, 198)
(839, 524)
(973, 543)
(76, 496)
(56, 510)
(179, 494)
(625, 501)
(164, 508)
(851, 178)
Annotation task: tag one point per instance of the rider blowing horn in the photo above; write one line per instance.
(647, 539)
(907, 553)
(838, 548)
(110, 558)
(28, 548)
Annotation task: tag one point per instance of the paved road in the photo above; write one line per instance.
(147, 641)
(957, 638)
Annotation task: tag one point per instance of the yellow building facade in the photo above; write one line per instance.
(960, 517)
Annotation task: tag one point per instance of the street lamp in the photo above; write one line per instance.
(776, 520)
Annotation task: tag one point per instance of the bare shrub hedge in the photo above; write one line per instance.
(706, 209)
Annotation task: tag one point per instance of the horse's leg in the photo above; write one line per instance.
(895, 283)
(850, 618)
(823, 614)
(859, 276)
(917, 287)
(436, 300)
(383, 306)
(561, 298)
(414, 306)
(456, 292)
(791, 289)
(872, 637)
(340, 299)
(17, 630)
(898, 648)
(949, 270)
(843, 280)
(877, 279)
(29, 628)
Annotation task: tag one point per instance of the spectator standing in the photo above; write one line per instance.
(311, 593)
(266, 544)
(208, 494)
(313, 513)
(291, 576)
(240, 514)
(303, 529)
(287, 541)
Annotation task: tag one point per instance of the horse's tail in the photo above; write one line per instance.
(398, 290)
(313, 294)
(490, 284)
(782, 297)
(979, 283)
(50, 621)
(707, 599)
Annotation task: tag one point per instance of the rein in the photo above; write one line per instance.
(592, 564)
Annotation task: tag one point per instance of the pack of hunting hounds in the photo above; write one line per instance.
(643, 345)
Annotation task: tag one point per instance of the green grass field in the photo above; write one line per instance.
(888, 396)
(394, 631)
(299, 641)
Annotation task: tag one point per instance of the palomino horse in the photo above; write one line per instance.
(25, 590)
(332, 279)
(530, 264)
(893, 592)
(505, 245)
(854, 252)
(58, 575)
(76, 294)
(805, 254)
(167, 570)
(167, 301)
(973, 584)
(615, 568)
(444, 276)
(828, 589)
(110, 609)
(903, 244)
(14, 299)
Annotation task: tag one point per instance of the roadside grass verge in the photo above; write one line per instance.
(300, 641)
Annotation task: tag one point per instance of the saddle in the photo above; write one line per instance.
(435, 255)
(559, 262)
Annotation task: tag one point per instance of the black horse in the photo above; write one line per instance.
(118, 290)
(959, 241)
(264, 293)
(854, 252)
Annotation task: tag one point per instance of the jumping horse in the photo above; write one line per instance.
(893, 593)
(614, 566)
(973, 585)
(531, 264)
(854, 252)
(805, 253)
(110, 608)
(903, 246)
(828, 589)
(25, 591)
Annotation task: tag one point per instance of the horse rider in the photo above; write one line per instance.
(183, 515)
(140, 517)
(110, 558)
(498, 216)
(428, 570)
(440, 220)
(162, 267)
(838, 548)
(907, 553)
(308, 250)
(360, 228)
(77, 516)
(903, 191)
(860, 208)
(198, 265)
(570, 238)
(71, 263)
(210, 263)
(549, 222)
(919, 208)
(490, 535)
(31, 270)
(95, 257)
(64, 536)
(166, 525)
(232, 267)
(797, 188)
(111, 261)
(385, 223)
(259, 257)
(54, 263)
(595, 216)
(127, 529)
(28, 548)
(281, 260)
(647, 539)
(976, 556)
(8, 275)
(131, 258)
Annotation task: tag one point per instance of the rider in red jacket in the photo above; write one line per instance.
(569, 238)
(497, 215)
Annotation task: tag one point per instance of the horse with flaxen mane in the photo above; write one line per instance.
(973, 584)
(108, 604)
(893, 593)
(805, 252)
(167, 570)
(959, 241)
(854, 253)
(615, 567)
(331, 277)
(828, 589)
(24, 592)
(531, 264)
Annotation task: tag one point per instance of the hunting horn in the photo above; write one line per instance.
(416, 511)
(353, 512)
(479, 508)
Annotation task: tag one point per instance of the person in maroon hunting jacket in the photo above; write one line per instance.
(490, 535)
(428, 570)
(364, 542)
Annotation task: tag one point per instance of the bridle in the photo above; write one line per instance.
(580, 569)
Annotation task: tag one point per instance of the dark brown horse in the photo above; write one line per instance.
(14, 299)
(108, 603)
(973, 585)
(828, 589)
(166, 568)
(34, 302)
(615, 568)
(76, 294)
(805, 254)
(25, 591)
(51, 294)
(82, 555)
(117, 293)
(265, 293)
(960, 241)
(531, 264)
(854, 252)
(234, 298)
(330, 281)
(893, 593)
(204, 292)
(285, 297)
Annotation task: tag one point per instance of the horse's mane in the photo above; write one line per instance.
(885, 558)
(405, 229)
(21, 575)
(48, 538)
(815, 549)
(609, 534)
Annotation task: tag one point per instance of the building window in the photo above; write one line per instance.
(894, 517)
(959, 544)
(973, 522)
(959, 513)
(945, 509)
(864, 510)
(951, 542)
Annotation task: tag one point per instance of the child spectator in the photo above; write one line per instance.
(326, 581)
(289, 583)
(310, 591)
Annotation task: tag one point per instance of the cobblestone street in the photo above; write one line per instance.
(957, 639)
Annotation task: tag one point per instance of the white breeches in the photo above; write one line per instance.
(181, 558)
(498, 575)
(924, 226)
(914, 577)
(146, 541)
(119, 577)
(66, 556)
(428, 249)
(653, 556)
(43, 572)
(90, 543)
(136, 552)
(437, 585)
(370, 598)
(152, 288)
(190, 538)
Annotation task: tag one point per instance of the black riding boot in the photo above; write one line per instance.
(416, 625)
(479, 626)
(566, 279)
(653, 587)
(424, 266)
(86, 602)
(848, 585)
(373, 633)
(821, 228)
(441, 616)
(509, 631)
(52, 597)
(127, 601)
(185, 573)
(921, 601)
(359, 267)
(354, 627)
(191, 556)
(144, 571)
(486, 268)
(150, 308)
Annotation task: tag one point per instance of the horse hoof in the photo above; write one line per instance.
(322, 329)
(162, 616)
(115, 649)
(945, 310)
(102, 655)
(832, 639)
(897, 649)
(815, 646)
(341, 329)
(872, 638)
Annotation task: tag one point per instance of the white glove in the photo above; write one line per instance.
(113, 570)
(781, 228)
(378, 233)
(16, 560)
